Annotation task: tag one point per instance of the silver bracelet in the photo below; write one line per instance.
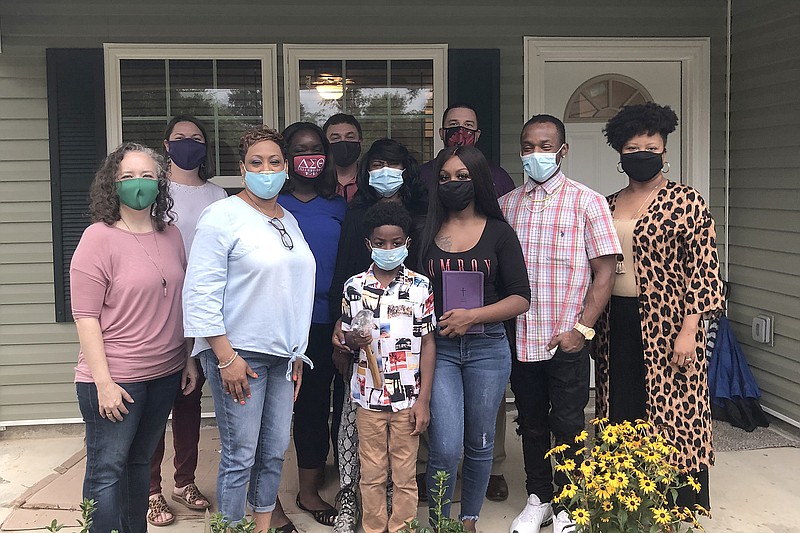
(231, 360)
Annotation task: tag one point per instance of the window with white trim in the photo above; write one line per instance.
(230, 88)
(396, 91)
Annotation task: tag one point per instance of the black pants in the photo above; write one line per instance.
(627, 392)
(311, 410)
(550, 396)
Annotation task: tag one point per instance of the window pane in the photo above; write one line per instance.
(147, 132)
(230, 131)
(143, 87)
(239, 90)
(191, 84)
(321, 90)
(412, 106)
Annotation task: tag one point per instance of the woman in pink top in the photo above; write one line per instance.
(125, 279)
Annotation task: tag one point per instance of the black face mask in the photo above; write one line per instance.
(456, 195)
(345, 153)
(641, 166)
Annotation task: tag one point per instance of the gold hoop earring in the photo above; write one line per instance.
(665, 167)
(619, 167)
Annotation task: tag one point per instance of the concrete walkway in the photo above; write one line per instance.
(754, 491)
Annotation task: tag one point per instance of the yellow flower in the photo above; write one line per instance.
(651, 456)
(607, 506)
(581, 516)
(702, 510)
(587, 467)
(641, 425)
(605, 492)
(568, 491)
(620, 480)
(581, 437)
(661, 516)
(609, 437)
(598, 421)
(647, 486)
(567, 466)
(633, 503)
(694, 484)
(561, 448)
(623, 461)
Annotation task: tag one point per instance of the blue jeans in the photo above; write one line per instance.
(118, 453)
(254, 436)
(471, 376)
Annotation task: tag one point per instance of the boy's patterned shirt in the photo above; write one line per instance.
(402, 314)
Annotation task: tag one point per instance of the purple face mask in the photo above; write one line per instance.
(187, 153)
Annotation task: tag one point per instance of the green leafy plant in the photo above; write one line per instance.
(441, 524)
(627, 483)
(88, 507)
(219, 523)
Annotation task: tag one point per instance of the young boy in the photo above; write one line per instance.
(392, 413)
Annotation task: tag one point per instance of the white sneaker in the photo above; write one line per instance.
(562, 523)
(535, 515)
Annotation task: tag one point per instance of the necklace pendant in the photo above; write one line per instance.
(620, 264)
(164, 284)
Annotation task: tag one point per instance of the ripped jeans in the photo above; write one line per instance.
(471, 376)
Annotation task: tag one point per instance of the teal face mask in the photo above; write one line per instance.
(390, 259)
(386, 180)
(265, 185)
(137, 193)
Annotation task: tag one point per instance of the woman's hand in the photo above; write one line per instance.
(297, 376)
(234, 379)
(110, 401)
(338, 339)
(685, 348)
(420, 416)
(189, 377)
(456, 322)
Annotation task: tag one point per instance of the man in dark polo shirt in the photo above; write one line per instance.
(460, 126)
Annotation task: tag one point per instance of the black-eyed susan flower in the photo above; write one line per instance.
(693, 483)
(661, 515)
(581, 437)
(561, 448)
(647, 486)
(581, 516)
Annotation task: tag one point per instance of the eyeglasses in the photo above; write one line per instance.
(286, 239)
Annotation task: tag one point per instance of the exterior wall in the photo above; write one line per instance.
(765, 193)
(36, 354)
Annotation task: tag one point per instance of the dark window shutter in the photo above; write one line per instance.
(77, 126)
(474, 79)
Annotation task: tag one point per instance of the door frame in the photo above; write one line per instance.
(692, 53)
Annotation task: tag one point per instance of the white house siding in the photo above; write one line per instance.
(36, 354)
(765, 192)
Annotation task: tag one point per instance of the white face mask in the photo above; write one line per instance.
(541, 166)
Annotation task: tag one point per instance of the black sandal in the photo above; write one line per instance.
(326, 517)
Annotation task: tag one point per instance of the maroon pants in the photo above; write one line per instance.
(185, 435)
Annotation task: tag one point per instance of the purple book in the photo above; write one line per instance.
(463, 290)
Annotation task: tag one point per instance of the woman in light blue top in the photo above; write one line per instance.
(248, 299)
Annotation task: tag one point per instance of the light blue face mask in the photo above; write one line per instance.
(265, 185)
(389, 259)
(386, 181)
(540, 166)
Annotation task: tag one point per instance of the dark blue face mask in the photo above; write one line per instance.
(187, 153)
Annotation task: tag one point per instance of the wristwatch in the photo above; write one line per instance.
(586, 331)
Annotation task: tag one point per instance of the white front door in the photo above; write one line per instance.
(591, 160)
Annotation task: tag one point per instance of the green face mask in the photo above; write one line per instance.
(137, 193)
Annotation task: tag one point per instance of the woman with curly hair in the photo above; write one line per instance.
(125, 281)
(650, 348)
(248, 299)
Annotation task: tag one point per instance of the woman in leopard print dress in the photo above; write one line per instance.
(650, 344)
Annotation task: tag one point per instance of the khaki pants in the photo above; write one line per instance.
(384, 439)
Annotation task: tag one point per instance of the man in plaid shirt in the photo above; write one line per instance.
(570, 247)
